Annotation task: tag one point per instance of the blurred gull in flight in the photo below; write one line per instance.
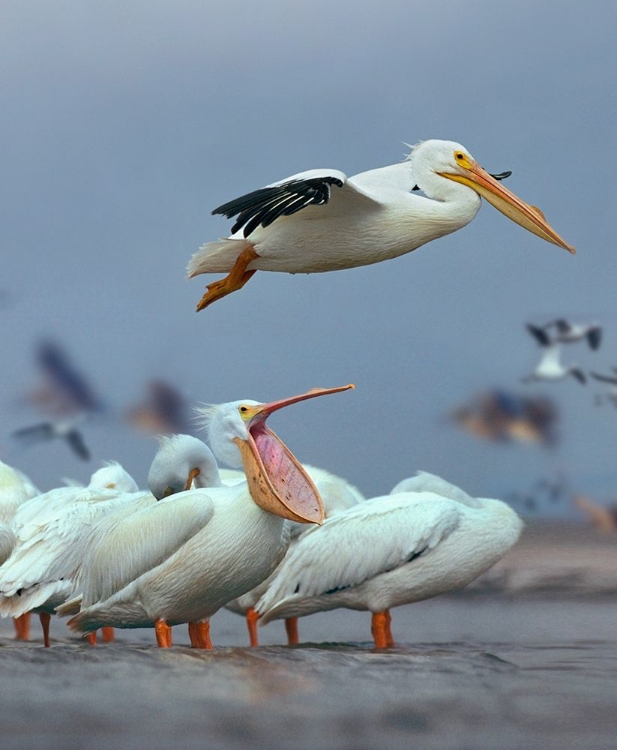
(566, 332)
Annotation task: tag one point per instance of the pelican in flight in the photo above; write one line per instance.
(428, 538)
(242, 537)
(321, 220)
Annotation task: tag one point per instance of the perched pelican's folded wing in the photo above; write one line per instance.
(263, 206)
(50, 549)
(373, 537)
(123, 548)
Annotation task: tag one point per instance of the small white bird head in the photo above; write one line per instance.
(180, 460)
(433, 159)
(239, 437)
(113, 477)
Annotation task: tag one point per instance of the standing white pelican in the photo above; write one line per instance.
(15, 489)
(51, 533)
(242, 539)
(182, 462)
(337, 495)
(392, 550)
(321, 220)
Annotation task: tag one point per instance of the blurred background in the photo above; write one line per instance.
(124, 124)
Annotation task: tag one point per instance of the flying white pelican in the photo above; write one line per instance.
(550, 367)
(51, 533)
(238, 546)
(392, 550)
(337, 495)
(15, 489)
(321, 220)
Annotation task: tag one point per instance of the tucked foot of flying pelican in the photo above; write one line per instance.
(321, 220)
(236, 279)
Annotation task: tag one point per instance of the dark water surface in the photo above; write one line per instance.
(470, 672)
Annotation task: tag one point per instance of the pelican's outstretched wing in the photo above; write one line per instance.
(285, 198)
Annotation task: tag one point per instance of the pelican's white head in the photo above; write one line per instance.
(113, 477)
(434, 159)
(180, 460)
(238, 436)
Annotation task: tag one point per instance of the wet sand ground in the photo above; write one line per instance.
(499, 666)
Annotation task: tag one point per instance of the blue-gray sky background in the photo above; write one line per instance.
(125, 123)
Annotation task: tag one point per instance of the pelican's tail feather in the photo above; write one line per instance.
(216, 257)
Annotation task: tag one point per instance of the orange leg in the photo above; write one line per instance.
(251, 622)
(389, 637)
(45, 617)
(199, 633)
(291, 628)
(22, 627)
(91, 638)
(108, 635)
(163, 633)
(379, 629)
(236, 279)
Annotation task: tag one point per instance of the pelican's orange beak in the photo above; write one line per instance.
(529, 217)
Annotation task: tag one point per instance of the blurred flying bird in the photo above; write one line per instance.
(64, 390)
(65, 396)
(164, 412)
(603, 517)
(566, 332)
(46, 431)
(502, 416)
(611, 393)
(321, 220)
(550, 368)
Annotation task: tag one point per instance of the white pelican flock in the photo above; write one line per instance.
(112, 556)
(321, 220)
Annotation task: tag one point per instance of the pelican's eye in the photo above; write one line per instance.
(245, 411)
(459, 155)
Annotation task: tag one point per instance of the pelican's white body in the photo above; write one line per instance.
(239, 545)
(363, 557)
(373, 217)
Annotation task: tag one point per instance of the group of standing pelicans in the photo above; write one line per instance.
(271, 538)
